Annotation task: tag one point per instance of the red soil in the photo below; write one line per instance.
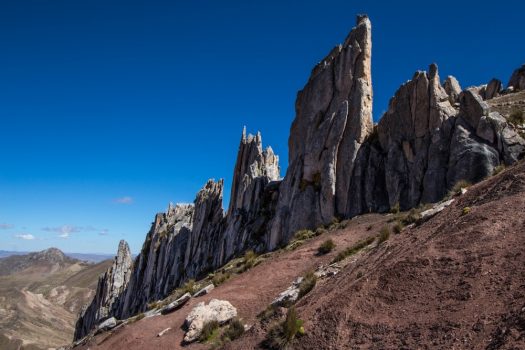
(454, 282)
(250, 292)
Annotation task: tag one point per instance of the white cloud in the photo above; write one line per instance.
(124, 200)
(104, 232)
(64, 231)
(25, 236)
(4, 226)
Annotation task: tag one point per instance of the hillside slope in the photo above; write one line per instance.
(454, 281)
(40, 297)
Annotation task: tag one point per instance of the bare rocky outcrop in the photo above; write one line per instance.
(517, 80)
(333, 118)
(220, 311)
(110, 287)
(452, 88)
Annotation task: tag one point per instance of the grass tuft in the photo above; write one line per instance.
(326, 247)
(353, 249)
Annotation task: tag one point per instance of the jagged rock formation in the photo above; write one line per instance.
(340, 165)
(110, 287)
(517, 80)
(452, 88)
(190, 240)
(333, 118)
(424, 146)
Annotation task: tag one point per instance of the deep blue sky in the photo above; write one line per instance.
(143, 101)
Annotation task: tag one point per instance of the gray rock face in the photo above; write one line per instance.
(190, 240)
(333, 118)
(109, 289)
(424, 146)
(493, 89)
(452, 88)
(517, 80)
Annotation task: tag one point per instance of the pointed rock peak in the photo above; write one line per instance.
(123, 248)
(433, 71)
(517, 80)
(243, 137)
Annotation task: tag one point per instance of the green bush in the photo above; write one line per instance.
(268, 313)
(220, 277)
(189, 287)
(353, 249)
(249, 260)
(517, 117)
(498, 169)
(456, 189)
(281, 335)
(465, 211)
(398, 227)
(209, 331)
(395, 208)
(326, 247)
(234, 330)
(304, 234)
(307, 284)
(384, 234)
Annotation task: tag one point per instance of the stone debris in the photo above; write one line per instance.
(163, 332)
(175, 304)
(204, 290)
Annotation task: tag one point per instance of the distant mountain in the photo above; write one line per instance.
(41, 295)
(94, 258)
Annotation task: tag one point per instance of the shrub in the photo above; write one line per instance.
(234, 331)
(395, 208)
(209, 331)
(319, 231)
(456, 189)
(307, 284)
(249, 260)
(220, 277)
(384, 234)
(268, 313)
(465, 211)
(353, 249)
(326, 247)
(304, 234)
(398, 227)
(189, 287)
(413, 216)
(498, 169)
(281, 335)
(517, 117)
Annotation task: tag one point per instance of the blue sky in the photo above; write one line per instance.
(111, 109)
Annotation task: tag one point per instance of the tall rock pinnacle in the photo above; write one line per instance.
(109, 289)
(333, 118)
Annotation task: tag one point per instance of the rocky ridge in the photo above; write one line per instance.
(340, 166)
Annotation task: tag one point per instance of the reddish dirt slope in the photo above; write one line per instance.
(250, 292)
(455, 282)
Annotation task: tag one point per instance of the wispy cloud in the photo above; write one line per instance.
(64, 231)
(104, 232)
(4, 226)
(124, 200)
(25, 236)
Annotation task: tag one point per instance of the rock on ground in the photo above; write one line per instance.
(217, 310)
